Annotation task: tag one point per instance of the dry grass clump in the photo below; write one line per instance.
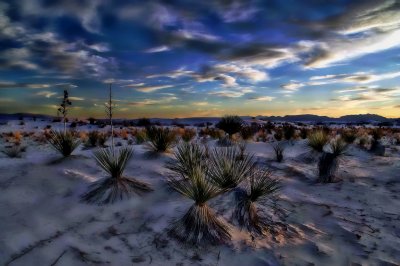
(349, 135)
(188, 134)
(279, 150)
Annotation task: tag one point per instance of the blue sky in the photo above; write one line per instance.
(201, 58)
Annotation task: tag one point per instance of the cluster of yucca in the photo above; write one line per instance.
(96, 138)
(201, 178)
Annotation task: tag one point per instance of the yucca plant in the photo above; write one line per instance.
(328, 164)
(92, 139)
(64, 142)
(242, 148)
(188, 134)
(200, 224)
(261, 189)
(14, 151)
(225, 169)
(317, 140)
(349, 135)
(160, 139)
(115, 187)
(187, 157)
(279, 149)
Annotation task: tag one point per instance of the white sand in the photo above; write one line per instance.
(42, 221)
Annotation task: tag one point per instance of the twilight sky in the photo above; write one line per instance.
(181, 58)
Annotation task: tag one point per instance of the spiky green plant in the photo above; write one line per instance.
(328, 164)
(279, 149)
(160, 139)
(226, 170)
(261, 189)
(187, 157)
(93, 138)
(64, 142)
(317, 140)
(115, 187)
(200, 224)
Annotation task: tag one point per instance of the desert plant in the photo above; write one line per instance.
(64, 109)
(188, 157)
(226, 171)
(279, 149)
(160, 139)
(15, 151)
(92, 138)
(278, 134)
(242, 148)
(64, 142)
(260, 190)
(200, 224)
(102, 139)
(349, 135)
(188, 134)
(328, 164)
(289, 132)
(303, 132)
(140, 136)
(317, 140)
(115, 187)
(231, 124)
(246, 132)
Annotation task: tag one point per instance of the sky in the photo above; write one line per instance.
(201, 58)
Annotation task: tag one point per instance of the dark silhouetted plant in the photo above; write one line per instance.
(200, 224)
(115, 187)
(247, 132)
(188, 134)
(231, 124)
(328, 164)
(279, 149)
(289, 132)
(261, 190)
(64, 142)
(15, 151)
(63, 109)
(278, 134)
(93, 139)
(349, 135)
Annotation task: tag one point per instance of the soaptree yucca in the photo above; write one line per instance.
(317, 140)
(115, 186)
(64, 142)
(328, 164)
(261, 190)
(200, 224)
(227, 169)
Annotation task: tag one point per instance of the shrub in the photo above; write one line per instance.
(261, 188)
(289, 132)
(115, 187)
(349, 135)
(64, 142)
(279, 149)
(160, 139)
(140, 136)
(143, 122)
(188, 134)
(200, 224)
(102, 139)
(329, 162)
(246, 132)
(278, 134)
(303, 132)
(242, 148)
(93, 138)
(317, 140)
(226, 171)
(231, 124)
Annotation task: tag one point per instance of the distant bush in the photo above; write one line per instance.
(349, 135)
(231, 124)
(160, 139)
(14, 151)
(303, 132)
(246, 132)
(278, 134)
(140, 136)
(188, 134)
(143, 122)
(289, 132)
(279, 149)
